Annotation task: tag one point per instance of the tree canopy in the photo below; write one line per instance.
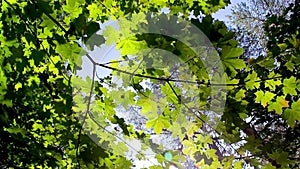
(185, 80)
(248, 19)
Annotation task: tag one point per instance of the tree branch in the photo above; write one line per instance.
(167, 79)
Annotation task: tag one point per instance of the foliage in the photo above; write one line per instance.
(248, 19)
(46, 122)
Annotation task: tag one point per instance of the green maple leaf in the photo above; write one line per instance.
(259, 95)
(3, 84)
(238, 165)
(37, 126)
(148, 105)
(252, 81)
(170, 95)
(94, 11)
(72, 7)
(124, 97)
(289, 86)
(240, 94)
(230, 58)
(272, 83)
(176, 128)
(131, 46)
(280, 157)
(111, 34)
(160, 158)
(69, 51)
(278, 105)
(230, 81)
(232, 52)
(189, 147)
(158, 124)
(293, 114)
(289, 65)
(120, 148)
(264, 98)
(16, 130)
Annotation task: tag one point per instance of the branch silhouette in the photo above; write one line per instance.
(167, 79)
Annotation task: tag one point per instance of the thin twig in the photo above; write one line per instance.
(86, 113)
(202, 120)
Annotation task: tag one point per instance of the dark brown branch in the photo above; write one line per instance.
(167, 79)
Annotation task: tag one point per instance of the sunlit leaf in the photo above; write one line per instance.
(292, 114)
(264, 98)
(278, 105)
(289, 86)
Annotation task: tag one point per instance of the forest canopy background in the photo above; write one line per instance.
(47, 122)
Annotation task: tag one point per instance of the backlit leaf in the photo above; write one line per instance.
(278, 105)
(264, 98)
(292, 114)
(289, 86)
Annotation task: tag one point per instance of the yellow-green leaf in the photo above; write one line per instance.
(278, 105)
(292, 115)
(289, 86)
(18, 86)
(264, 98)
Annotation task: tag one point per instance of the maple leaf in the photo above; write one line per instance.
(289, 86)
(278, 105)
(264, 98)
(293, 114)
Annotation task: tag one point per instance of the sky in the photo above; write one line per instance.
(221, 14)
